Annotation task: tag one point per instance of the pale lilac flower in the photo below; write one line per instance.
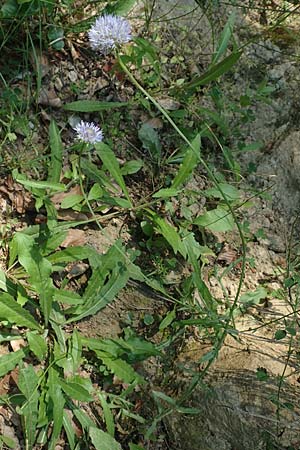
(109, 32)
(88, 132)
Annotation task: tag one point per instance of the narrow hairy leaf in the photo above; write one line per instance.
(108, 416)
(119, 367)
(37, 344)
(92, 106)
(111, 163)
(214, 72)
(169, 232)
(120, 8)
(28, 383)
(69, 429)
(224, 38)
(8, 362)
(75, 390)
(10, 310)
(102, 440)
(57, 402)
(56, 148)
(39, 270)
(103, 294)
(218, 219)
(189, 162)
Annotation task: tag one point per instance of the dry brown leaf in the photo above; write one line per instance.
(17, 344)
(227, 255)
(20, 199)
(69, 214)
(74, 238)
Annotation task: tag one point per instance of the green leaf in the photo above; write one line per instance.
(150, 140)
(254, 297)
(167, 320)
(189, 162)
(93, 106)
(108, 416)
(57, 403)
(37, 344)
(9, 442)
(169, 232)
(10, 310)
(111, 163)
(166, 193)
(119, 367)
(280, 334)
(28, 385)
(231, 193)
(224, 38)
(56, 187)
(219, 220)
(120, 8)
(131, 167)
(69, 429)
(7, 285)
(135, 447)
(39, 270)
(8, 362)
(75, 390)
(102, 440)
(95, 193)
(103, 294)
(56, 148)
(9, 9)
(214, 72)
(71, 200)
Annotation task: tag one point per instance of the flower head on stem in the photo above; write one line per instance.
(88, 132)
(109, 32)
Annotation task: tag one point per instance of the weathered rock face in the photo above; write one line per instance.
(237, 414)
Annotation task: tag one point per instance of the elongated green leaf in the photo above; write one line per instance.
(103, 294)
(102, 440)
(224, 38)
(37, 344)
(6, 285)
(10, 310)
(108, 416)
(169, 232)
(69, 429)
(218, 219)
(193, 255)
(39, 270)
(56, 153)
(8, 362)
(119, 367)
(230, 192)
(8, 441)
(166, 193)
(75, 390)
(120, 8)
(28, 384)
(214, 72)
(56, 187)
(189, 162)
(57, 402)
(92, 106)
(111, 163)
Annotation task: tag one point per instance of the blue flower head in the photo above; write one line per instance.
(109, 32)
(88, 132)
